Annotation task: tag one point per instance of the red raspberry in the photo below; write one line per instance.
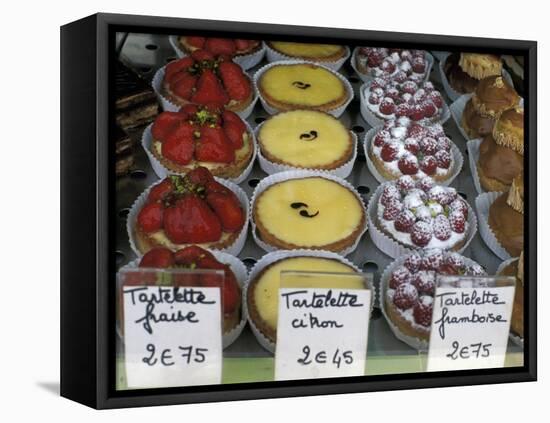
(406, 55)
(454, 262)
(419, 96)
(389, 151)
(392, 93)
(387, 67)
(389, 124)
(392, 209)
(409, 87)
(421, 234)
(428, 109)
(378, 91)
(423, 310)
(417, 131)
(375, 58)
(412, 145)
(399, 276)
(425, 184)
(448, 197)
(412, 262)
(435, 97)
(378, 83)
(387, 106)
(400, 77)
(424, 281)
(428, 86)
(432, 260)
(404, 221)
(457, 221)
(408, 164)
(442, 228)
(405, 183)
(381, 138)
(417, 113)
(444, 143)
(403, 109)
(374, 98)
(428, 165)
(435, 131)
(437, 194)
(476, 270)
(389, 193)
(460, 204)
(443, 158)
(419, 65)
(405, 296)
(428, 145)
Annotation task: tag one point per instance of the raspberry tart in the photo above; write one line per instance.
(205, 79)
(200, 136)
(408, 288)
(422, 215)
(391, 98)
(194, 257)
(219, 46)
(391, 63)
(402, 147)
(188, 209)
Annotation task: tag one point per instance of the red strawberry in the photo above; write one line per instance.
(189, 255)
(159, 258)
(243, 44)
(214, 146)
(231, 292)
(209, 90)
(202, 55)
(234, 133)
(177, 66)
(160, 191)
(235, 81)
(197, 42)
(150, 217)
(215, 186)
(229, 116)
(189, 110)
(182, 84)
(165, 123)
(200, 176)
(220, 46)
(179, 144)
(191, 221)
(228, 209)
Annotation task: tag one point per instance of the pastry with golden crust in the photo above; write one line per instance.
(309, 51)
(480, 66)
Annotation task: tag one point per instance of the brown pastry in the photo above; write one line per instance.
(480, 66)
(516, 269)
(506, 219)
(508, 130)
(497, 165)
(124, 152)
(459, 80)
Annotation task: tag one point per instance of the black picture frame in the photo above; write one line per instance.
(87, 262)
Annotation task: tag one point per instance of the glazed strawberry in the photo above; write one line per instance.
(160, 191)
(215, 186)
(164, 123)
(178, 146)
(209, 90)
(189, 255)
(200, 176)
(197, 42)
(183, 84)
(177, 66)
(150, 217)
(214, 146)
(202, 56)
(190, 220)
(189, 111)
(231, 292)
(158, 257)
(243, 44)
(218, 46)
(235, 81)
(228, 209)
(235, 134)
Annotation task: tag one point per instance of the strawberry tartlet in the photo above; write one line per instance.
(219, 46)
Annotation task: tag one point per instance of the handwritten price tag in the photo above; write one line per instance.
(322, 332)
(172, 335)
(470, 323)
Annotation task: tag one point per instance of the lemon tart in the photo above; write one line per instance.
(263, 290)
(302, 86)
(306, 139)
(307, 51)
(310, 212)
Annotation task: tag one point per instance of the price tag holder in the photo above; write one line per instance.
(471, 322)
(322, 331)
(171, 323)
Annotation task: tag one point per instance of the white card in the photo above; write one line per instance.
(172, 336)
(322, 332)
(470, 327)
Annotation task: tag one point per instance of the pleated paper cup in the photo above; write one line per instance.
(245, 61)
(270, 167)
(273, 55)
(365, 77)
(162, 171)
(374, 120)
(473, 158)
(276, 256)
(336, 112)
(516, 339)
(241, 274)
(300, 174)
(233, 249)
(457, 163)
(168, 106)
(416, 343)
(391, 247)
(483, 204)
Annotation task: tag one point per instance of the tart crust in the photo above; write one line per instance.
(405, 326)
(280, 48)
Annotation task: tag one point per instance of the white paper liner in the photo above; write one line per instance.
(473, 158)
(168, 106)
(457, 163)
(275, 56)
(388, 245)
(439, 55)
(367, 78)
(516, 339)
(374, 120)
(451, 92)
(273, 257)
(336, 112)
(163, 172)
(270, 168)
(233, 249)
(299, 174)
(483, 204)
(412, 341)
(245, 61)
(241, 274)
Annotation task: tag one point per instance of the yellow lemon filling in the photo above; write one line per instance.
(305, 50)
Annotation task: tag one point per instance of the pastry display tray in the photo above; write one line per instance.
(146, 53)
